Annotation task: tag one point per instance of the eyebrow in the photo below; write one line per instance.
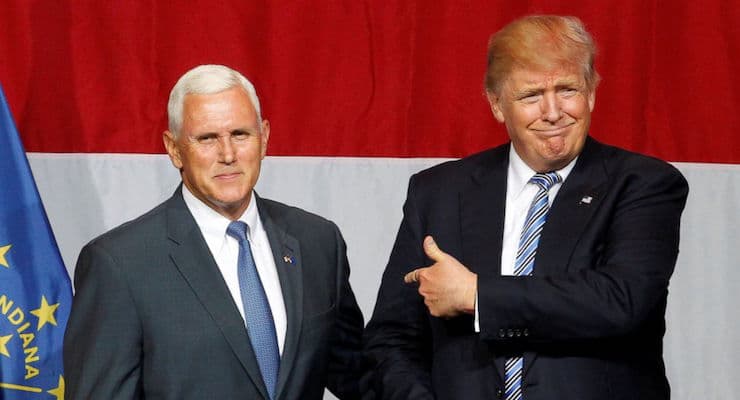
(231, 132)
(535, 88)
(567, 83)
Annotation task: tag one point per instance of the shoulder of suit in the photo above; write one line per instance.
(285, 214)
(140, 228)
(619, 161)
(449, 172)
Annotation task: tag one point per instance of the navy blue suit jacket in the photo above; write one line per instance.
(589, 322)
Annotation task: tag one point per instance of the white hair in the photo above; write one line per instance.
(206, 79)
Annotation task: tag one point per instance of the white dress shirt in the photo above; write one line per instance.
(519, 195)
(225, 251)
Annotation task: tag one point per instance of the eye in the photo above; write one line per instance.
(239, 135)
(530, 98)
(206, 139)
(568, 92)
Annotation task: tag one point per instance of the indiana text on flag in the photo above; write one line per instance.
(35, 292)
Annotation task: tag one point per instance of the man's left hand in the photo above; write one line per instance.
(448, 287)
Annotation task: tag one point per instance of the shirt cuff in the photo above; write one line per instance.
(476, 321)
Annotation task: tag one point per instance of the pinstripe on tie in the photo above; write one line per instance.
(524, 265)
(260, 325)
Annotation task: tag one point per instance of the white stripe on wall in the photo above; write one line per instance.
(87, 194)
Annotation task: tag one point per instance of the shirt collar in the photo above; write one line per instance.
(520, 173)
(212, 224)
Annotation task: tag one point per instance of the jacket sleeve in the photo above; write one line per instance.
(102, 343)
(616, 281)
(345, 347)
(398, 347)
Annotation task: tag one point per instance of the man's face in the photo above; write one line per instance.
(547, 115)
(220, 148)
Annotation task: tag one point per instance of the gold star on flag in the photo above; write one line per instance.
(45, 313)
(4, 345)
(58, 391)
(3, 261)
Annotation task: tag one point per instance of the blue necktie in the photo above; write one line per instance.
(524, 265)
(260, 325)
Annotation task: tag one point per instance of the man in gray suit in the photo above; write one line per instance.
(164, 308)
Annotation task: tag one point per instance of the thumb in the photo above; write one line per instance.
(432, 250)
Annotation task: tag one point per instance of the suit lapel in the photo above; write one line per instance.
(574, 206)
(287, 253)
(191, 256)
(482, 206)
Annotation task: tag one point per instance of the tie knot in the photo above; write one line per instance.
(545, 181)
(237, 230)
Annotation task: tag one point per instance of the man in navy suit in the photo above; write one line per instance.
(164, 308)
(456, 318)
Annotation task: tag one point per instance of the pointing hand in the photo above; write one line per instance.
(448, 287)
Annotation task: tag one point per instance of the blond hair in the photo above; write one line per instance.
(540, 42)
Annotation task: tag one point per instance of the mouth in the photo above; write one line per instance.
(552, 131)
(227, 176)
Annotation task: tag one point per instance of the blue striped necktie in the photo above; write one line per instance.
(524, 265)
(260, 325)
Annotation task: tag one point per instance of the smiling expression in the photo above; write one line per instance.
(219, 149)
(547, 115)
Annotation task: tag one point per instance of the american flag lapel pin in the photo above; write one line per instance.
(288, 259)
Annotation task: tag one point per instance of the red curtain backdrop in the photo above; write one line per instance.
(362, 78)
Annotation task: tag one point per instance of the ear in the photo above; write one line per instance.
(265, 136)
(170, 144)
(494, 101)
(591, 99)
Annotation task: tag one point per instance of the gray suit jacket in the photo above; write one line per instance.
(152, 317)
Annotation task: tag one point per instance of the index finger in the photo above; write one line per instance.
(412, 277)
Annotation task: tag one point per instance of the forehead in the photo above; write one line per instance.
(229, 108)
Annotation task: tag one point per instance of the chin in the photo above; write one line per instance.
(233, 201)
(550, 158)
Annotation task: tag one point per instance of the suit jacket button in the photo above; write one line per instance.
(501, 333)
(517, 332)
(525, 332)
(499, 393)
(510, 333)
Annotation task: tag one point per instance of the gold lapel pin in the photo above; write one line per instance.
(288, 259)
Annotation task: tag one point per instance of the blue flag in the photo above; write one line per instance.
(35, 291)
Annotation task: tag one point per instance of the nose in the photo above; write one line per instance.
(551, 107)
(226, 150)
